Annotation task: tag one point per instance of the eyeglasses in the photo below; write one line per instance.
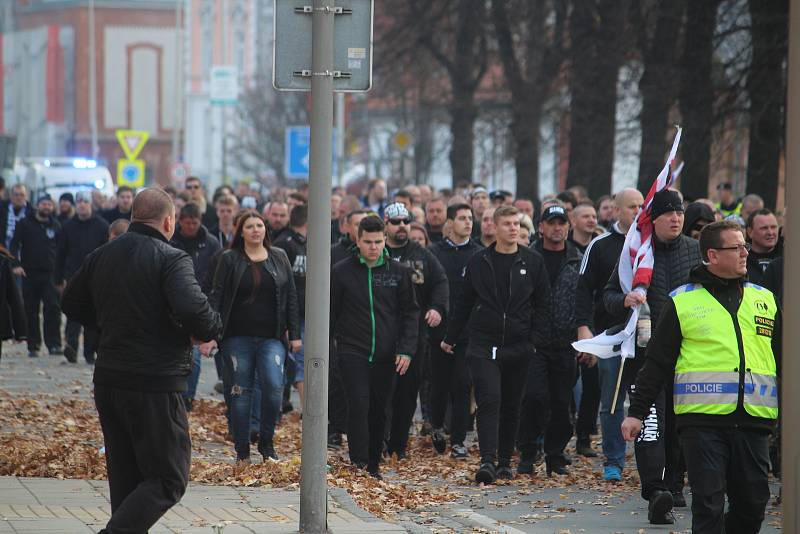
(738, 248)
(398, 222)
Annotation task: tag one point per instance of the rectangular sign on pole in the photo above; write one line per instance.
(224, 85)
(130, 172)
(352, 48)
(297, 152)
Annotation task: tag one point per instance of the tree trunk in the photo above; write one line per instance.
(657, 89)
(766, 85)
(595, 29)
(525, 131)
(697, 97)
(462, 128)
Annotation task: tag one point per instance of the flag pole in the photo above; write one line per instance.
(619, 383)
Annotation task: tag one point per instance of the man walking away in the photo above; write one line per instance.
(719, 340)
(450, 372)
(142, 295)
(374, 319)
(79, 236)
(35, 241)
(507, 288)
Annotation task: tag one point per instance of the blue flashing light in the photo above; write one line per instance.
(99, 184)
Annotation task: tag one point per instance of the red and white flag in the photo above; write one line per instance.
(635, 269)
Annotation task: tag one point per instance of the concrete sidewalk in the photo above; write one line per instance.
(46, 505)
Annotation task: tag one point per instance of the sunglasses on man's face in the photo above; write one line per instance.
(398, 222)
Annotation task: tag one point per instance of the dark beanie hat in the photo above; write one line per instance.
(67, 196)
(665, 201)
(43, 197)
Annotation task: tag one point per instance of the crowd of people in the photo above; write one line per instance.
(461, 302)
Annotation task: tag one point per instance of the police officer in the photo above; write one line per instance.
(719, 337)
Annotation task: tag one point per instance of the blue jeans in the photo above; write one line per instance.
(242, 356)
(194, 375)
(613, 444)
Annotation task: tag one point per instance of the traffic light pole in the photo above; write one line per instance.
(313, 471)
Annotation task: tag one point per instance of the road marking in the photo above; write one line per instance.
(485, 521)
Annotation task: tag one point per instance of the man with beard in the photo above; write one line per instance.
(66, 208)
(435, 217)
(79, 236)
(277, 215)
(35, 241)
(431, 292)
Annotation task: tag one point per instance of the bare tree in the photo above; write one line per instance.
(530, 36)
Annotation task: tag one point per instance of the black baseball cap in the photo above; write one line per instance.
(555, 212)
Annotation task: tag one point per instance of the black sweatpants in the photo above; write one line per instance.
(403, 404)
(450, 382)
(148, 454)
(545, 407)
(499, 386)
(337, 399)
(38, 289)
(586, 425)
(368, 386)
(727, 460)
(72, 332)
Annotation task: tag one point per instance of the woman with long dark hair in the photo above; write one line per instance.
(254, 292)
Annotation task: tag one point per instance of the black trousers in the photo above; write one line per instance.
(499, 386)
(368, 386)
(148, 454)
(337, 399)
(450, 383)
(586, 425)
(404, 400)
(72, 332)
(727, 460)
(545, 406)
(39, 289)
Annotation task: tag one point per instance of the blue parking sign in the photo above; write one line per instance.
(297, 152)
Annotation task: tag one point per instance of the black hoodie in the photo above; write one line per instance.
(664, 348)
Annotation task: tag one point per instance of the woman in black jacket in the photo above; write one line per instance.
(255, 294)
(12, 309)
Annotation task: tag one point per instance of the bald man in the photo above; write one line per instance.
(599, 261)
(142, 295)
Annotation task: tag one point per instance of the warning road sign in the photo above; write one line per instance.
(132, 142)
(130, 172)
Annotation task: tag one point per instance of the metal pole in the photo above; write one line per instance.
(93, 83)
(223, 112)
(313, 483)
(176, 126)
(339, 138)
(790, 401)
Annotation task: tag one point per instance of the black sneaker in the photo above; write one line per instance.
(678, 500)
(267, 450)
(439, 440)
(487, 474)
(374, 472)
(504, 471)
(55, 351)
(188, 403)
(525, 465)
(33, 353)
(287, 407)
(334, 440)
(584, 448)
(255, 436)
(70, 354)
(659, 511)
(426, 429)
(219, 388)
(458, 452)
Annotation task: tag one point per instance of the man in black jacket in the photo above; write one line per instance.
(80, 235)
(450, 379)
(12, 212)
(719, 340)
(552, 373)
(657, 450)
(431, 292)
(35, 240)
(507, 293)
(194, 239)
(123, 208)
(143, 297)
(375, 321)
(598, 263)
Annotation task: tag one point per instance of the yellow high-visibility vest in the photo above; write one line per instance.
(709, 375)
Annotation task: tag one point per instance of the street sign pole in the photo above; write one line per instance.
(790, 401)
(313, 471)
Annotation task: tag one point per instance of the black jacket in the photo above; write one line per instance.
(599, 261)
(230, 269)
(220, 235)
(12, 308)
(664, 349)
(78, 239)
(522, 320)
(562, 329)
(672, 263)
(454, 260)
(427, 275)
(201, 248)
(35, 244)
(373, 311)
(294, 245)
(6, 205)
(773, 278)
(757, 263)
(142, 295)
(113, 214)
(342, 250)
